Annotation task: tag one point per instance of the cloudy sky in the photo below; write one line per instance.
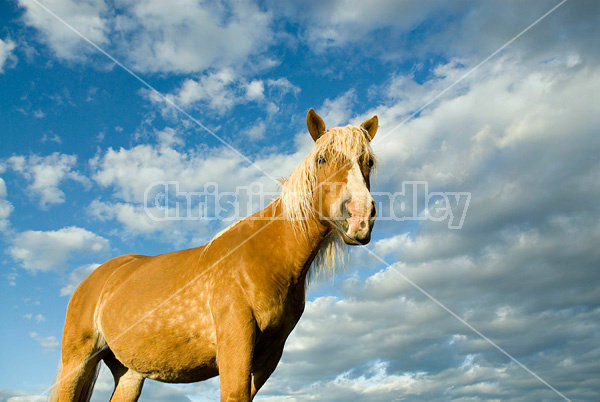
(488, 108)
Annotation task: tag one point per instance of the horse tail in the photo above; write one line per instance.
(84, 393)
(53, 397)
(88, 385)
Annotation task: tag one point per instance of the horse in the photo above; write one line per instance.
(225, 308)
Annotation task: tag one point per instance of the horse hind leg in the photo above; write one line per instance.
(75, 379)
(128, 383)
(82, 349)
(128, 387)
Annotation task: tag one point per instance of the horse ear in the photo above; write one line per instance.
(371, 126)
(316, 126)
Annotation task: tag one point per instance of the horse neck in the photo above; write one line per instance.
(297, 247)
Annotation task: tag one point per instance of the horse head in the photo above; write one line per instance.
(342, 163)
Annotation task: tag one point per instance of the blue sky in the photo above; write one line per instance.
(82, 138)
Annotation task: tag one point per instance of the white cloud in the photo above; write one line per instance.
(46, 173)
(131, 172)
(6, 207)
(11, 277)
(191, 38)
(7, 57)
(76, 277)
(169, 138)
(399, 31)
(486, 26)
(283, 85)
(257, 131)
(153, 36)
(38, 317)
(383, 338)
(49, 251)
(49, 342)
(335, 23)
(486, 139)
(138, 221)
(255, 90)
(336, 112)
(389, 245)
(10, 395)
(220, 91)
(90, 18)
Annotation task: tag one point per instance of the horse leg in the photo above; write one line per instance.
(236, 330)
(262, 374)
(77, 375)
(128, 387)
(128, 383)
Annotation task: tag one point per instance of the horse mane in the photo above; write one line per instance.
(340, 144)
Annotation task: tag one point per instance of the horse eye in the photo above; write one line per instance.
(321, 160)
(371, 162)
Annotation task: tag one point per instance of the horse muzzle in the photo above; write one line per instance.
(358, 221)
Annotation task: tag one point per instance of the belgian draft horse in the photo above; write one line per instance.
(225, 308)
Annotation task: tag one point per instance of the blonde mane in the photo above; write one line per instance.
(341, 145)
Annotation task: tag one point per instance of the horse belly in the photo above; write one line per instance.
(179, 359)
(182, 365)
(175, 342)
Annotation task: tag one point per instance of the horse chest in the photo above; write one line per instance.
(278, 317)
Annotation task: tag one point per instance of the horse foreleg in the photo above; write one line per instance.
(235, 345)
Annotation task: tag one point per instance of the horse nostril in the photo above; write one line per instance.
(373, 209)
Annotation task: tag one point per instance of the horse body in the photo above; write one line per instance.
(186, 307)
(222, 309)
